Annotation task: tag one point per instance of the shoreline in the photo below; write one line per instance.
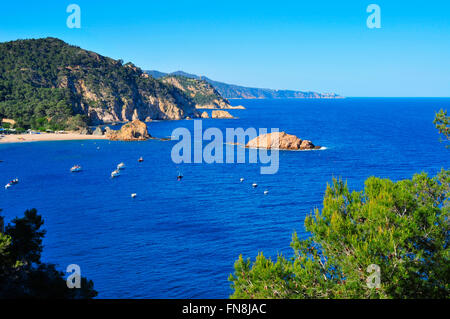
(47, 137)
(287, 98)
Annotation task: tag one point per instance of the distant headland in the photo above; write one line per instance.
(231, 91)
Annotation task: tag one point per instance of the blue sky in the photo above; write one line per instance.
(307, 45)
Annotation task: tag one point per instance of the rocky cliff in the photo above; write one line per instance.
(204, 95)
(50, 81)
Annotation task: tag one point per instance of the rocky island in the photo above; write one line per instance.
(219, 114)
(205, 115)
(282, 141)
(132, 131)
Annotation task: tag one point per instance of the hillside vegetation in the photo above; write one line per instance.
(47, 83)
(202, 93)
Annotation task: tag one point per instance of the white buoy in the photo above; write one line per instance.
(266, 192)
(254, 185)
(242, 179)
(133, 195)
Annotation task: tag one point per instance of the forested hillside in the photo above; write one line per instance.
(47, 83)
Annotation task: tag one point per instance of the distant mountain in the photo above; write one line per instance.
(231, 91)
(47, 83)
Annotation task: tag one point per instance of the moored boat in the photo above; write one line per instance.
(76, 168)
(115, 173)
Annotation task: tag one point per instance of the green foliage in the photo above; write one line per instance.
(29, 91)
(22, 274)
(442, 123)
(26, 237)
(402, 227)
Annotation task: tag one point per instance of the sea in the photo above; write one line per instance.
(180, 239)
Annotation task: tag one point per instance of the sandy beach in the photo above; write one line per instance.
(19, 138)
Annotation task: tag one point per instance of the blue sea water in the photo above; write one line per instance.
(180, 239)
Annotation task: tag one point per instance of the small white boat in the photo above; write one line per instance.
(254, 185)
(141, 159)
(133, 195)
(76, 168)
(115, 173)
(266, 192)
(242, 179)
(8, 186)
(121, 166)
